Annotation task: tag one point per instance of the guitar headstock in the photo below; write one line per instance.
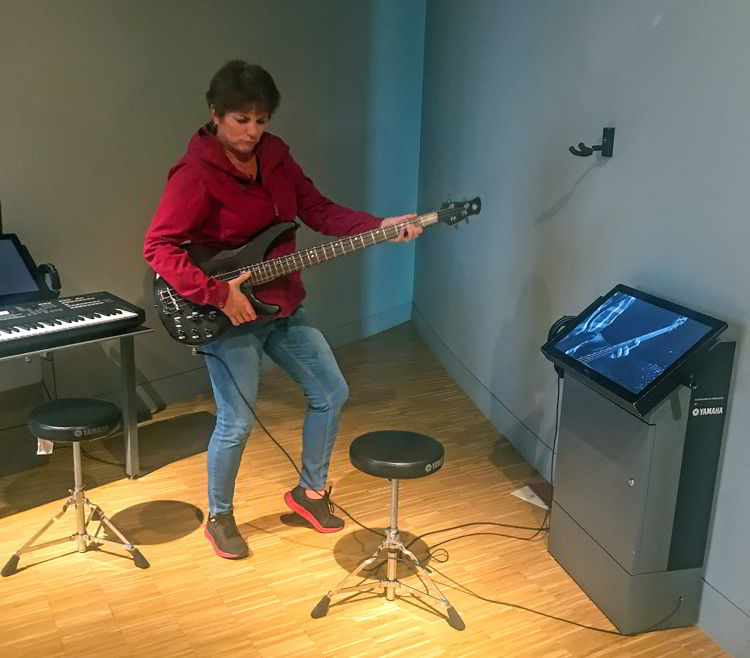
(453, 212)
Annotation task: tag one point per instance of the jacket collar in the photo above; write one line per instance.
(205, 147)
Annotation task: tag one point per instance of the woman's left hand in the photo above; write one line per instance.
(408, 232)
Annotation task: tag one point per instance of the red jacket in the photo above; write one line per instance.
(206, 200)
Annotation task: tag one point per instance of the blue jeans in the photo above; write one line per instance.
(300, 349)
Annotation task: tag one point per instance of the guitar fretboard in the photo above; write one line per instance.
(276, 267)
(588, 358)
(170, 303)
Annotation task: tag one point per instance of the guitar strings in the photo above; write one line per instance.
(277, 267)
(234, 273)
(178, 303)
(283, 261)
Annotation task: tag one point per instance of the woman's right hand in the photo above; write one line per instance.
(238, 307)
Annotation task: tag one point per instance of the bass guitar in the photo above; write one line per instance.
(195, 324)
(624, 345)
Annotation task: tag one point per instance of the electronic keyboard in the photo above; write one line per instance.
(35, 326)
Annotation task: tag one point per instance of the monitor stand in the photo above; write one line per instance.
(633, 495)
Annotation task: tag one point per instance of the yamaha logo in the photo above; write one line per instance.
(708, 411)
(93, 430)
(433, 466)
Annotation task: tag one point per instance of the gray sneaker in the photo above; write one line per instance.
(318, 511)
(222, 532)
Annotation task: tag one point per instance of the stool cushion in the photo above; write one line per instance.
(396, 455)
(74, 419)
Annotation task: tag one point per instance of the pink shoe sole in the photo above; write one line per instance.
(295, 507)
(219, 552)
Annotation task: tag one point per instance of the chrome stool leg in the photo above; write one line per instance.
(394, 542)
(82, 537)
(392, 549)
(11, 565)
(78, 498)
(98, 515)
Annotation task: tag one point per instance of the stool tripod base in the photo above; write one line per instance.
(82, 537)
(392, 550)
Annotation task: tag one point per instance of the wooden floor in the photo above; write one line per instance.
(192, 603)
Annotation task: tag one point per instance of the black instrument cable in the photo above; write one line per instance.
(441, 555)
(517, 606)
(543, 527)
(271, 436)
(536, 530)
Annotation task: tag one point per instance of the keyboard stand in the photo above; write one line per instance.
(127, 371)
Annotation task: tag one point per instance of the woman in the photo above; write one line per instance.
(235, 180)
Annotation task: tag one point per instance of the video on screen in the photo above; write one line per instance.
(630, 341)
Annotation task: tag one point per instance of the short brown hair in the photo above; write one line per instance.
(238, 85)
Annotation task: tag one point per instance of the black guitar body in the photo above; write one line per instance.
(195, 324)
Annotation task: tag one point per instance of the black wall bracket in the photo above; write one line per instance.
(606, 147)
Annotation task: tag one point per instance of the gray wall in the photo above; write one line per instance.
(100, 98)
(508, 86)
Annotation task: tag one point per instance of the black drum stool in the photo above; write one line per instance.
(72, 421)
(395, 455)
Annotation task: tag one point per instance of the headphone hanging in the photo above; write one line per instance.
(558, 326)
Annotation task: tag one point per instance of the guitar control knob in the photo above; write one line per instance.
(181, 335)
(208, 333)
(212, 315)
(194, 334)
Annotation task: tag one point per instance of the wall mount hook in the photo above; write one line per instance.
(606, 147)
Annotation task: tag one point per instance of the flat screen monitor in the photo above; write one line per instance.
(20, 281)
(629, 343)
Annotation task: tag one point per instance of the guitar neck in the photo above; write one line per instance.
(610, 350)
(276, 267)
